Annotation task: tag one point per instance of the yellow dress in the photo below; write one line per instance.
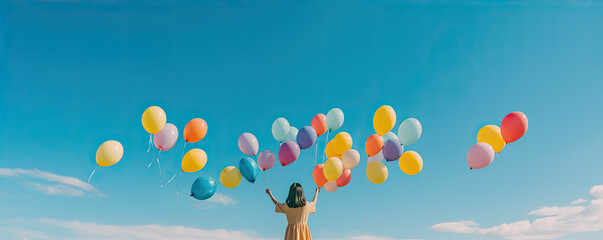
(297, 229)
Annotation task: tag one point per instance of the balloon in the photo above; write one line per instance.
(194, 160)
(373, 144)
(490, 134)
(318, 175)
(411, 163)
(153, 119)
(109, 153)
(292, 135)
(332, 168)
(230, 177)
(392, 150)
(203, 188)
(306, 137)
(319, 123)
(376, 157)
(345, 178)
(514, 126)
(334, 119)
(195, 130)
(330, 150)
(280, 129)
(350, 159)
(390, 135)
(266, 160)
(166, 138)
(409, 131)
(376, 172)
(248, 168)
(480, 155)
(288, 152)
(331, 186)
(384, 120)
(248, 144)
(342, 142)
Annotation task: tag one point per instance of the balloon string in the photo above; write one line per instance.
(152, 159)
(183, 148)
(168, 182)
(326, 142)
(178, 187)
(316, 154)
(150, 142)
(265, 181)
(93, 171)
(159, 164)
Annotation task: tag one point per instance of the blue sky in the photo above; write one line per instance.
(75, 74)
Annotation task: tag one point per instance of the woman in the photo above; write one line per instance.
(297, 209)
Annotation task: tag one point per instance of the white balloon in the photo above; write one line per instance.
(331, 186)
(390, 135)
(376, 157)
(350, 159)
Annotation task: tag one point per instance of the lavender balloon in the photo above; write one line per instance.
(288, 152)
(306, 137)
(248, 144)
(166, 138)
(480, 155)
(266, 160)
(392, 150)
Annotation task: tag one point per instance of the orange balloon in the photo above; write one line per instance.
(373, 144)
(195, 130)
(319, 176)
(319, 123)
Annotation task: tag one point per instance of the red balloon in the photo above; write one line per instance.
(345, 178)
(319, 123)
(513, 126)
(319, 176)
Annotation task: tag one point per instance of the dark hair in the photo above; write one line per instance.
(296, 196)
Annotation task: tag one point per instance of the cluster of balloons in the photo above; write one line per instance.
(491, 139)
(385, 144)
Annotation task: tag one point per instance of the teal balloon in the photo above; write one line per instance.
(249, 169)
(390, 135)
(334, 119)
(203, 188)
(409, 131)
(292, 135)
(280, 129)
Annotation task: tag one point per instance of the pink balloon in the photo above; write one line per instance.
(166, 138)
(345, 178)
(266, 160)
(480, 155)
(288, 152)
(248, 144)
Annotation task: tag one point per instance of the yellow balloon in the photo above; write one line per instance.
(376, 172)
(194, 160)
(490, 134)
(384, 120)
(230, 177)
(153, 119)
(411, 162)
(332, 168)
(342, 142)
(330, 150)
(109, 153)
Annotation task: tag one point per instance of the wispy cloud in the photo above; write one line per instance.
(51, 183)
(554, 222)
(216, 200)
(366, 237)
(578, 201)
(60, 229)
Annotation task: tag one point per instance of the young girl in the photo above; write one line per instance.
(297, 209)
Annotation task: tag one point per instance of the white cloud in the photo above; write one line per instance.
(216, 200)
(366, 237)
(578, 201)
(59, 229)
(554, 222)
(51, 183)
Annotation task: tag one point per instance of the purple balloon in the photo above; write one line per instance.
(248, 144)
(266, 160)
(480, 155)
(392, 150)
(306, 137)
(166, 138)
(288, 152)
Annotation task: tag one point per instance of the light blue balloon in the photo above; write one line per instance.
(203, 188)
(334, 119)
(249, 169)
(280, 129)
(292, 135)
(390, 135)
(409, 131)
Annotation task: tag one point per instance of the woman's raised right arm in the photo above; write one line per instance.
(271, 197)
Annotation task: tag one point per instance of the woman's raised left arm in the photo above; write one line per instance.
(271, 197)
